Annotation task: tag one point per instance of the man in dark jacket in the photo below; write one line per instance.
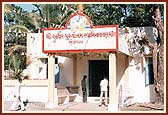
(84, 89)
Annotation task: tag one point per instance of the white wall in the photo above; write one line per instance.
(34, 53)
(128, 34)
(136, 69)
(66, 69)
(137, 82)
(36, 90)
(83, 67)
(32, 93)
(142, 93)
(33, 90)
(82, 70)
(120, 77)
(121, 67)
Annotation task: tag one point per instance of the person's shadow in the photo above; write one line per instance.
(25, 104)
(103, 103)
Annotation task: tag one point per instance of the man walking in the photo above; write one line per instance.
(17, 102)
(103, 88)
(84, 89)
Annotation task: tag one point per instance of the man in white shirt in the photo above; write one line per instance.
(104, 90)
(17, 99)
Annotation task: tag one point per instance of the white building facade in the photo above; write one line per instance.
(49, 69)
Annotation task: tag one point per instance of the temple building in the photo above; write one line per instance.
(57, 59)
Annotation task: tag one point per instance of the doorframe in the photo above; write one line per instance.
(89, 80)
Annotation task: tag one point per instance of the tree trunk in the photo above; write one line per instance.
(159, 77)
(160, 82)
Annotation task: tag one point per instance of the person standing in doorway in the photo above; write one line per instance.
(84, 88)
(104, 90)
(17, 102)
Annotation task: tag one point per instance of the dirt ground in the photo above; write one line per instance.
(137, 107)
(144, 107)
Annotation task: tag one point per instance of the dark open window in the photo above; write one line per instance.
(149, 72)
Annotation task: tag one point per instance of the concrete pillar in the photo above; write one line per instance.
(126, 74)
(28, 58)
(75, 69)
(51, 83)
(112, 106)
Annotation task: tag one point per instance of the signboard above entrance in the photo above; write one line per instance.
(79, 35)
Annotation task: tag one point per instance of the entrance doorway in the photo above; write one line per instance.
(97, 70)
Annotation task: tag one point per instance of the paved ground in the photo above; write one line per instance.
(84, 108)
(159, 107)
(72, 107)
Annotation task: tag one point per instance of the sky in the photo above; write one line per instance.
(27, 7)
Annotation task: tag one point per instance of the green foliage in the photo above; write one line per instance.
(125, 15)
(15, 30)
(18, 22)
(15, 60)
(104, 14)
(53, 15)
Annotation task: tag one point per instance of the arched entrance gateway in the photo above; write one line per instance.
(80, 39)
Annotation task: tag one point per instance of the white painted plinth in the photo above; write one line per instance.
(50, 105)
(112, 108)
